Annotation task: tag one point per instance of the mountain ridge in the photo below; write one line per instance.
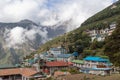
(18, 39)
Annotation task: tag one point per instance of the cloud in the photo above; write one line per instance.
(14, 10)
(17, 36)
(51, 12)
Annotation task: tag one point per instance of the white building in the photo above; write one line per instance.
(112, 28)
(97, 34)
(57, 51)
(64, 57)
(96, 65)
(100, 35)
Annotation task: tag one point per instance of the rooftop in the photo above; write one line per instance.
(64, 55)
(51, 59)
(27, 72)
(78, 61)
(97, 59)
(57, 64)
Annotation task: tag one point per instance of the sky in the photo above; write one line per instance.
(51, 12)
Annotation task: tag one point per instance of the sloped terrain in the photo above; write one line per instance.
(77, 39)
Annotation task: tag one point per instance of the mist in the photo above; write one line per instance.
(18, 35)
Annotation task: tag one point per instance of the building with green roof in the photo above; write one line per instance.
(78, 63)
(51, 59)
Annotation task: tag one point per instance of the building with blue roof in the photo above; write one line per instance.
(96, 59)
(64, 57)
(96, 65)
(76, 54)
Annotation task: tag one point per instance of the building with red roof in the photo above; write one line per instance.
(19, 74)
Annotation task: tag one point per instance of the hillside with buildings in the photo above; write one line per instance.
(89, 37)
(91, 52)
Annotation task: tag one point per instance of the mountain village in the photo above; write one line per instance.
(57, 62)
(49, 50)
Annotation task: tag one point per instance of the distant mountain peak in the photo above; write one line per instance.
(27, 21)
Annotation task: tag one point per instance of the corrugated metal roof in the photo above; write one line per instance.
(27, 72)
(64, 55)
(101, 68)
(78, 61)
(51, 59)
(57, 64)
(99, 59)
